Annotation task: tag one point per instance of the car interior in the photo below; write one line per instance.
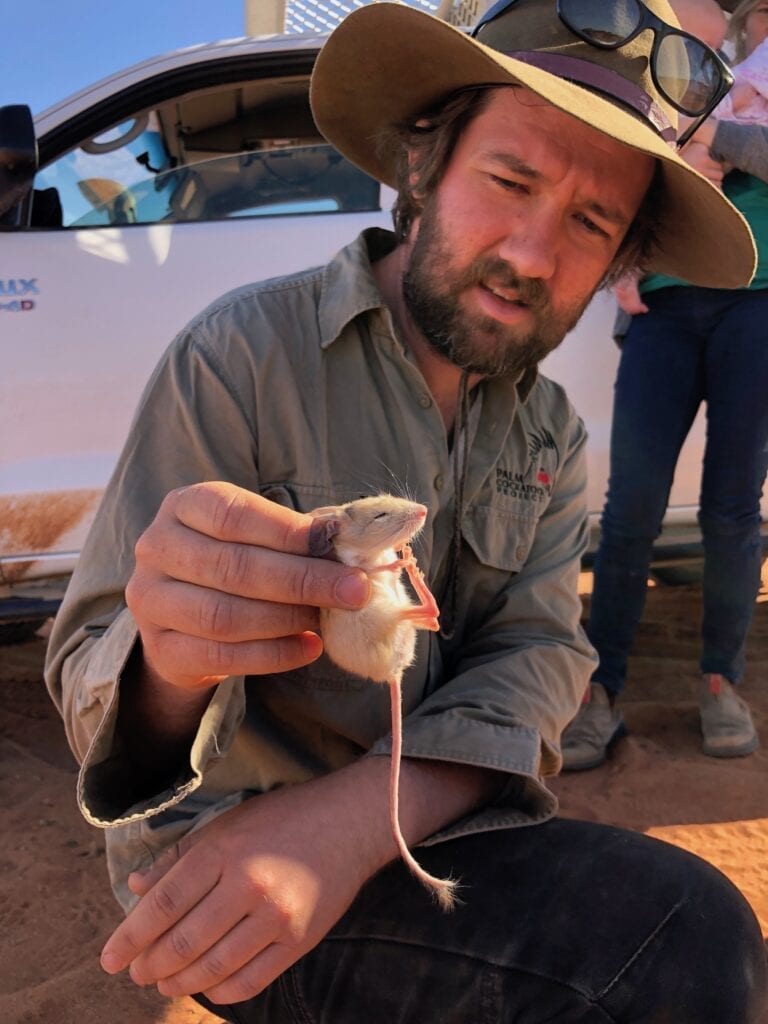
(249, 149)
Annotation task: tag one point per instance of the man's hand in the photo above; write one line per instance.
(627, 294)
(239, 901)
(223, 586)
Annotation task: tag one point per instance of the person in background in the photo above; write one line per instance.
(747, 102)
(683, 346)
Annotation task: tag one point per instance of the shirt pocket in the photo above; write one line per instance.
(306, 497)
(289, 495)
(501, 538)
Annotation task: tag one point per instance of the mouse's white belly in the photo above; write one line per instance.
(373, 642)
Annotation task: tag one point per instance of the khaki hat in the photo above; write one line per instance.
(387, 63)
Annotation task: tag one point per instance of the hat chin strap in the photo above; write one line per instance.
(604, 80)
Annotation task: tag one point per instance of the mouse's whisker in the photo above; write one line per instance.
(400, 488)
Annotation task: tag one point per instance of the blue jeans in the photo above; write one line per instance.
(694, 345)
(568, 922)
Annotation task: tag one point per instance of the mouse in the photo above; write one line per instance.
(379, 640)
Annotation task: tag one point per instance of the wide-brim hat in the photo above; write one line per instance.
(387, 63)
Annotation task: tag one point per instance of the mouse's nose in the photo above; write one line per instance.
(420, 512)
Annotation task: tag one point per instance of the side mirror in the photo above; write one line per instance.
(18, 155)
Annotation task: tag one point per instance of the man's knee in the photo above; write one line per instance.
(706, 960)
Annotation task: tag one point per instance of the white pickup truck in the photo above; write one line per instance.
(154, 191)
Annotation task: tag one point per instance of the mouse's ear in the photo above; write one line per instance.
(324, 528)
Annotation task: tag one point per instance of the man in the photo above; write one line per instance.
(208, 724)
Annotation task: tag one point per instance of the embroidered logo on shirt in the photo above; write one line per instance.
(515, 485)
(538, 441)
(535, 484)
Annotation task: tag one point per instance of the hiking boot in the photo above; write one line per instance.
(595, 728)
(726, 723)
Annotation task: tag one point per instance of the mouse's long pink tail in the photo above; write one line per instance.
(443, 889)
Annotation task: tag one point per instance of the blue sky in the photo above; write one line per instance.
(51, 48)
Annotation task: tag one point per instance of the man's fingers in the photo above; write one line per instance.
(162, 907)
(216, 965)
(191, 939)
(211, 946)
(247, 571)
(215, 615)
(254, 976)
(231, 513)
(178, 657)
(222, 587)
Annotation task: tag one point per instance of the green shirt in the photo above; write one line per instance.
(299, 389)
(750, 196)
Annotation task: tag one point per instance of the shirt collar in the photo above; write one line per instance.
(526, 382)
(348, 286)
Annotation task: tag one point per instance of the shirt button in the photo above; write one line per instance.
(438, 482)
(520, 552)
(425, 401)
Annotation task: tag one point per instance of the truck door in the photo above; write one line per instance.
(146, 208)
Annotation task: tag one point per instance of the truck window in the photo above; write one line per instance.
(100, 174)
(294, 180)
(211, 156)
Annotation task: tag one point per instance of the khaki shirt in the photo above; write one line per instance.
(299, 389)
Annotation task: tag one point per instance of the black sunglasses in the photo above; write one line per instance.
(687, 72)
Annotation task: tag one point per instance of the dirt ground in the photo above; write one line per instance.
(56, 909)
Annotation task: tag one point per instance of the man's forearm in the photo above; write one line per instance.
(433, 794)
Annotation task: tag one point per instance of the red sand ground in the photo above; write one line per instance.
(56, 908)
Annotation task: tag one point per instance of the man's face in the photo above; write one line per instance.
(518, 235)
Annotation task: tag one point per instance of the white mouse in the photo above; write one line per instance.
(379, 640)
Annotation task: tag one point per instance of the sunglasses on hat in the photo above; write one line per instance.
(687, 72)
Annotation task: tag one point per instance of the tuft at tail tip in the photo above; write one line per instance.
(446, 892)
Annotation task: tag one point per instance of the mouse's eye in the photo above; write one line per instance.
(380, 515)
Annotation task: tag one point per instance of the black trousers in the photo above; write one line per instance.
(568, 922)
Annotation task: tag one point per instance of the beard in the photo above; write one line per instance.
(476, 343)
